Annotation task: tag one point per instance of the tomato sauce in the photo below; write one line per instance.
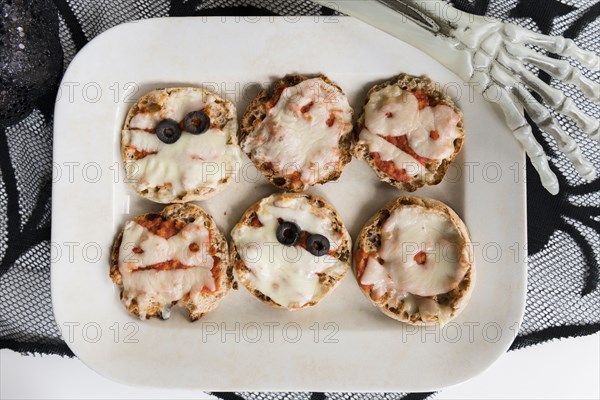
(401, 142)
(390, 169)
(362, 257)
(422, 98)
(165, 228)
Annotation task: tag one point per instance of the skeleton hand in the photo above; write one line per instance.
(499, 53)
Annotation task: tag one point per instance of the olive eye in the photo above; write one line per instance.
(288, 233)
(317, 245)
(196, 122)
(168, 131)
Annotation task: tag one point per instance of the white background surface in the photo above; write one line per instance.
(566, 369)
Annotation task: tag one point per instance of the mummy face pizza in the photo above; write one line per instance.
(175, 257)
(180, 144)
(414, 261)
(300, 134)
(290, 250)
(409, 132)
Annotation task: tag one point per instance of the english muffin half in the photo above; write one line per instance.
(175, 257)
(414, 260)
(290, 250)
(409, 132)
(180, 144)
(299, 134)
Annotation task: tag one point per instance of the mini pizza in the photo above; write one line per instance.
(176, 257)
(180, 144)
(299, 135)
(290, 250)
(409, 132)
(414, 261)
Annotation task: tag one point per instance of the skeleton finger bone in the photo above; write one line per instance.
(520, 128)
(542, 117)
(559, 69)
(554, 44)
(553, 97)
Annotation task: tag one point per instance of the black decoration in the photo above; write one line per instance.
(542, 15)
(31, 58)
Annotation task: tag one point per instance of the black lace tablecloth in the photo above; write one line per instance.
(40, 37)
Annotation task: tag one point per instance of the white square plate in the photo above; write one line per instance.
(343, 344)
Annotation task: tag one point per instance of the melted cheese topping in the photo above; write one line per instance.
(288, 275)
(194, 161)
(152, 287)
(423, 254)
(389, 152)
(301, 133)
(393, 112)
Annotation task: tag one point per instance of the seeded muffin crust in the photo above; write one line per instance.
(327, 280)
(369, 242)
(436, 169)
(258, 112)
(223, 119)
(183, 214)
